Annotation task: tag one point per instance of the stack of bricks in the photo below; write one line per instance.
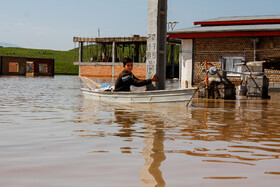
(273, 78)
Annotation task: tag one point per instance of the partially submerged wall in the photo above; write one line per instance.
(109, 69)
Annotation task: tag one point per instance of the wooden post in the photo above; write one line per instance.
(172, 56)
(156, 43)
(81, 46)
(136, 52)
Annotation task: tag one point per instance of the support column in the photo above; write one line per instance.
(186, 63)
(136, 52)
(172, 56)
(156, 43)
(114, 54)
(103, 51)
(81, 46)
(81, 49)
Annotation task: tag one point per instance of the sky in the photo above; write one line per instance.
(52, 24)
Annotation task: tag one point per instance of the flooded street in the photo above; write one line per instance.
(51, 136)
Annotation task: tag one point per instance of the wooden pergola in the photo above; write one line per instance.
(114, 43)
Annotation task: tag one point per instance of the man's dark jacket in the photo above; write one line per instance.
(126, 79)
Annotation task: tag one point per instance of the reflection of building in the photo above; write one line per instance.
(26, 66)
(225, 42)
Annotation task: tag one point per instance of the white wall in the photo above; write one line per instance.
(186, 63)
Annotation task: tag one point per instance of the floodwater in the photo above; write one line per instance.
(51, 136)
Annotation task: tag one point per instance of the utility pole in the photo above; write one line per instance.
(156, 43)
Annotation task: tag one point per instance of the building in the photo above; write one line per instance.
(26, 66)
(226, 41)
(102, 57)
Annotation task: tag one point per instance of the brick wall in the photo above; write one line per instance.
(106, 70)
(9, 67)
(212, 49)
(96, 71)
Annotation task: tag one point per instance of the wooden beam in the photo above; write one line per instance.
(110, 39)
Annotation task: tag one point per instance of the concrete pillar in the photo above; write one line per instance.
(81, 46)
(186, 63)
(114, 52)
(156, 43)
(114, 55)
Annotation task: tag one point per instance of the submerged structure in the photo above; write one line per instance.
(26, 66)
(102, 57)
(106, 55)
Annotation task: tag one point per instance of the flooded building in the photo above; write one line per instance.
(225, 42)
(26, 66)
(102, 57)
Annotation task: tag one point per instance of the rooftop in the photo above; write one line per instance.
(111, 39)
(240, 20)
(232, 26)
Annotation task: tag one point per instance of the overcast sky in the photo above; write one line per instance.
(52, 24)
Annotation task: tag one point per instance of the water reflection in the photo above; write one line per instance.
(52, 134)
(153, 152)
(230, 133)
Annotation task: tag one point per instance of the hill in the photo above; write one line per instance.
(63, 59)
(3, 44)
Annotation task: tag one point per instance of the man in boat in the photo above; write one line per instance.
(126, 78)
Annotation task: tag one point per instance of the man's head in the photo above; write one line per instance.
(127, 64)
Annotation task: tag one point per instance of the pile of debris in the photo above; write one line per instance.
(217, 86)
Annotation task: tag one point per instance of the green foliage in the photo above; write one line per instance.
(63, 59)
(123, 51)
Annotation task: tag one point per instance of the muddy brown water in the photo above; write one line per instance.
(51, 136)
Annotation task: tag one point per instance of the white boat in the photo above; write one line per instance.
(179, 97)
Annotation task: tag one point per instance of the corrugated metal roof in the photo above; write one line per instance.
(233, 28)
(241, 18)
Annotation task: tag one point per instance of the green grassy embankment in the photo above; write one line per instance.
(63, 59)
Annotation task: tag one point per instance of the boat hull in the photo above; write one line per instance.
(179, 97)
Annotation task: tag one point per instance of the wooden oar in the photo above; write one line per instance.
(87, 83)
(93, 82)
(90, 82)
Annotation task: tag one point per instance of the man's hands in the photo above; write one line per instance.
(155, 78)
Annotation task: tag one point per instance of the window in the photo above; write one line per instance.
(43, 68)
(13, 67)
(229, 64)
